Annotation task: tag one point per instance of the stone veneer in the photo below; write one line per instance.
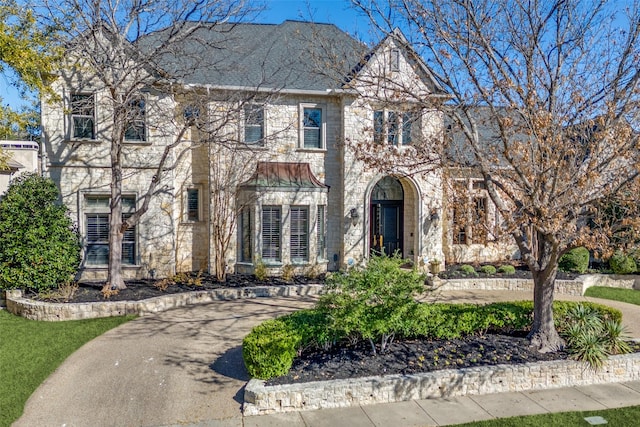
(39, 310)
(260, 399)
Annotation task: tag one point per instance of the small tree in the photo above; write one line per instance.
(39, 247)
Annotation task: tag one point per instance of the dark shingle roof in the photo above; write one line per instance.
(292, 55)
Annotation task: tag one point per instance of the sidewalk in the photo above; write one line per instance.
(441, 412)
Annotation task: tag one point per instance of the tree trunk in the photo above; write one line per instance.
(544, 336)
(114, 277)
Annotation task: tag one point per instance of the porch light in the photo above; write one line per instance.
(354, 215)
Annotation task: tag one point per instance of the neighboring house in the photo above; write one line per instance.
(22, 157)
(300, 196)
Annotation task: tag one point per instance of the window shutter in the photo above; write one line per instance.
(299, 233)
(271, 233)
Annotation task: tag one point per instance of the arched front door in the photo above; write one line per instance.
(387, 199)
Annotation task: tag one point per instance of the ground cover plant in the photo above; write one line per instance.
(367, 311)
(30, 351)
(631, 296)
(615, 417)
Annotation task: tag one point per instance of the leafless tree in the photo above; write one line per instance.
(557, 82)
(130, 49)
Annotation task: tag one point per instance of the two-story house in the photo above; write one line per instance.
(279, 181)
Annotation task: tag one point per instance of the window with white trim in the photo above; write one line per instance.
(254, 125)
(271, 233)
(83, 116)
(135, 126)
(312, 127)
(299, 233)
(97, 230)
(394, 127)
(394, 60)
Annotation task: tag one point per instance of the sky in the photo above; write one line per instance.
(336, 12)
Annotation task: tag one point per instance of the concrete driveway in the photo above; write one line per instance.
(184, 366)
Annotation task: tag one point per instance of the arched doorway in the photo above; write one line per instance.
(387, 204)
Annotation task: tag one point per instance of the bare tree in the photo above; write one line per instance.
(557, 82)
(138, 55)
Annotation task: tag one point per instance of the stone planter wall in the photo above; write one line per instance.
(260, 399)
(565, 287)
(39, 310)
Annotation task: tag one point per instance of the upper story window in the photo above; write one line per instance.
(254, 125)
(83, 116)
(393, 127)
(135, 127)
(394, 60)
(312, 127)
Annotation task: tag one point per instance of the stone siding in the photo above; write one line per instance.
(39, 310)
(260, 399)
(565, 287)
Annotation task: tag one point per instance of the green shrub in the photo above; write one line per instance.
(468, 270)
(575, 261)
(39, 247)
(507, 269)
(592, 335)
(622, 264)
(269, 349)
(373, 302)
(260, 270)
(488, 269)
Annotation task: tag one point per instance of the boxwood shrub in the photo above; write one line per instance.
(506, 269)
(488, 269)
(575, 261)
(621, 263)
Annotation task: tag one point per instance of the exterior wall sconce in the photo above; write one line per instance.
(434, 216)
(355, 216)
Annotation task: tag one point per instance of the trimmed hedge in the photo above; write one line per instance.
(575, 261)
(271, 347)
(488, 269)
(507, 269)
(622, 264)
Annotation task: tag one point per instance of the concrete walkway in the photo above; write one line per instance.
(184, 367)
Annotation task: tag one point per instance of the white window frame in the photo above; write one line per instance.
(278, 256)
(300, 240)
(323, 126)
(103, 210)
(72, 116)
(243, 126)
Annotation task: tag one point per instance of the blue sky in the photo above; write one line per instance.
(336, 12)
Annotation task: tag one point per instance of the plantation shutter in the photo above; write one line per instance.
(299, 240)
(321, 238)
(271, 233)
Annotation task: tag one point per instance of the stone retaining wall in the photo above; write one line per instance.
(565, 287)
(39, 310)
(260, 399)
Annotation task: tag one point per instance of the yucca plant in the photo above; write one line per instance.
(616, 337)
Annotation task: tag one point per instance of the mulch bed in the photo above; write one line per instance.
(143, 289)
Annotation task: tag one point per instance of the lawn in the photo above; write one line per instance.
(620, 417)
(631, 296)
(30, 351)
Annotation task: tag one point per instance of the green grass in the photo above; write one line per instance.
(620, 417)
(631, 296)
(30, 351)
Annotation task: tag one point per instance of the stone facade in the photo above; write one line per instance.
(206, 188)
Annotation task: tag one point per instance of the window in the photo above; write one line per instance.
(459, 226)
(394, 127)
(246, 250)
(271, 233)
(312, 127)
(135, 128)
(83, 116)
(97, 231)
(321, 243)
(479, 224)
(394, 62)
(193, 204)
(254, 125)
(299, 233)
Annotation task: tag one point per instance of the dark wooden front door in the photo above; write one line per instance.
(386, 227)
